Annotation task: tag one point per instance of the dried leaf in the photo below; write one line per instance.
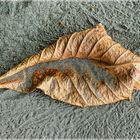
(71, 87)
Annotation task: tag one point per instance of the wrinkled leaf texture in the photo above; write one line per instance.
(69, 85)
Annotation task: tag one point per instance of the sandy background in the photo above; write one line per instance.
(28, 27)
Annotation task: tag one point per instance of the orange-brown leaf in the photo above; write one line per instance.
(69, 86)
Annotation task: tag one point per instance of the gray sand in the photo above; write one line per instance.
(28, 27)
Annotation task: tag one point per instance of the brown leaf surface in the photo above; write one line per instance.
(71, 87)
